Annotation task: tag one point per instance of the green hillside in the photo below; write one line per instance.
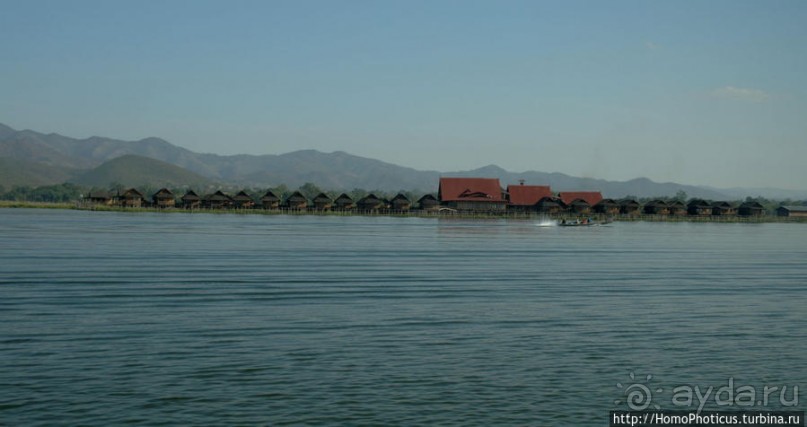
(132, 171)
(16, 172)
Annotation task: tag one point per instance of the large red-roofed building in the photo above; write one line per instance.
(472, 194)
(524, 197)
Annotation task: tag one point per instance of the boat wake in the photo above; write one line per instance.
(546, 223)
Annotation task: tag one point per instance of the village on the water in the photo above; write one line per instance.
(455, 195)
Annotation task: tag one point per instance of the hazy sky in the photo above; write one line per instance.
(697, 92)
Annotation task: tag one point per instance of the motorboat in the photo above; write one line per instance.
(588, 222)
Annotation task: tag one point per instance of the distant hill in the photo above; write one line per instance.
(49, 157)
(335, 170)
(90, 152)
(132, 171)
(5, 131)
(39, 148)
(339, 170)
(15, 172)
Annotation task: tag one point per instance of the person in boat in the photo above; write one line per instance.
(563, 222)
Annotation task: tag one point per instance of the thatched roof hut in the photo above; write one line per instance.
(370, 203)
(400, 203)
(629, 207)
(607, 206)
(217, 200)
(428, 202)
(242, 200)
(99, 197)
(751, 209)
(699, 207)
(656, 207)
(344, 202)
(163, 198)
(723, 208)
(549, 205)
(131, 198)
(191, 200)
(296, 201)
(677, 207)
(270, 200)
(322, 202)
(579, 206)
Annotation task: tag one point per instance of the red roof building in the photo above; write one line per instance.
(590, 197)
(475, 194)
(527, 195)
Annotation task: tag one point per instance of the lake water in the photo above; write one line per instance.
(199, 319)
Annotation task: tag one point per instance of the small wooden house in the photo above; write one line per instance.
(296, 201)
(270, 200)
(191, 200)
(656, 207)
(370, 203)
(792, 211)
(629, 207)
(400, 203)
(677, 207)
(217, 200)
(579, 206)
(751, 209)
(428, 203)
(344, 202)
(549, 205)
(131, 198)
(163, 199)
(607, 207)
(699, 207)
(322, 202)
(242, 200)
(99, 197)
(723, 209)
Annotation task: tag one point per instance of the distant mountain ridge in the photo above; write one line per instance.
(79, 160)
(130, 170)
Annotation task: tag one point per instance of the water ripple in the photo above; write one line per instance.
(150, 319)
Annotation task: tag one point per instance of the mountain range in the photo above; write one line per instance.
(32, 158)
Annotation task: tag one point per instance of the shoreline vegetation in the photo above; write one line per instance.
(413, 213)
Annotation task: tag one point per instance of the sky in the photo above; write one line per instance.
(695, 92)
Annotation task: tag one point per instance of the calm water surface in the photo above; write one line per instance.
(198, 319)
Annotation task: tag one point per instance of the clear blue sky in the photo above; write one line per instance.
(698, 92)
